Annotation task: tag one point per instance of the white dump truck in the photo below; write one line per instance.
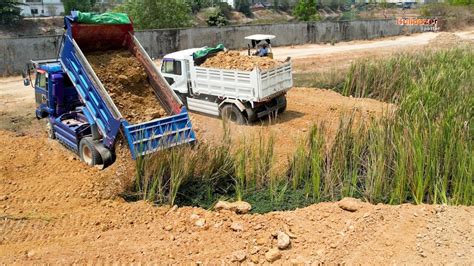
(240, 96)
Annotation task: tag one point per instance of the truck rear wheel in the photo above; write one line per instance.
(233, 114)
(282, 100)
(88, 152)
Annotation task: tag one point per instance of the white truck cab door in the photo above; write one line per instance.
(175, 73)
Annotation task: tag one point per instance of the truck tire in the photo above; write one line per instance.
(251, 114)
(50, 130)
(88, 152)
(233, 114)
(282, 99)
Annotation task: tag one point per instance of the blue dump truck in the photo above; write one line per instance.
(80, 111)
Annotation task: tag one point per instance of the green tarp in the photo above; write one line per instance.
(210, 50)
(105, 18)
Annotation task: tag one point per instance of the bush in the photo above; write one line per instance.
(306, 10)
(217, 18)
(156, 14)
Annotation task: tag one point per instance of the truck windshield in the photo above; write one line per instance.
(171, 67)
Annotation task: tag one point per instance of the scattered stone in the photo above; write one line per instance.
(283, 240)
(349, 204)
(172, 209)
(255, 250)
(239, 256)
(254, 259)
(240, 207)
(258, 227)
(273, 255)
(236, 226)
(200, 222)
(30, 253)
(3, 197)
(168, 227)
(261, 241)
(194, 216)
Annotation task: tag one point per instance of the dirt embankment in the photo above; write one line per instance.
(236, 61)
(54, 209)
(126, 81)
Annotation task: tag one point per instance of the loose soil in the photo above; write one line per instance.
(236, 61)
(125, 79)
(54, 209)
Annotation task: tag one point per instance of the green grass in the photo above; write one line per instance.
(331, 79)
(422, 152)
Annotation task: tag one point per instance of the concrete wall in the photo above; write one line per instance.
(15, 52)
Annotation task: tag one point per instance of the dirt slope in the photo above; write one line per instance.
(52, 210)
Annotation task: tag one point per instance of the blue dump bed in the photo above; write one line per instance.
(142, 138)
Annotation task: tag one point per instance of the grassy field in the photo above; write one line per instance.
(420, 153)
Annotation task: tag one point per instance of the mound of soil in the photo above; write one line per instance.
(235, 60)
(446, 39)
(55, 210)
(125, 80)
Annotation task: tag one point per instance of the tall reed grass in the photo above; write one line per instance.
(421, 152)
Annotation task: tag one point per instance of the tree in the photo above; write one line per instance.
(156, 14)
(80, 5)
(9, 12)
(244, 7)
(306, 10)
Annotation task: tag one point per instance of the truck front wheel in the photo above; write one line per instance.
(232, 113)
(88, 152)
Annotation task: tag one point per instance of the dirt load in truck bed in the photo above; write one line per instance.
(126, 81)
(236, 61)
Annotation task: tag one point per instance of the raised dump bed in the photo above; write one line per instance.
(140, 104)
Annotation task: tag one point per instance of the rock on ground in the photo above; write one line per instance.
(239, 256)
(349, 204)
(240, 207)
(283, 240)
(273, 255)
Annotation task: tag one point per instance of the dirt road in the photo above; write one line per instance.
(305, 51)
(53, 209)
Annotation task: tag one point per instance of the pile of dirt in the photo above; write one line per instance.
(126, 81)
(446, 39)
(235, 60)
(53, 211)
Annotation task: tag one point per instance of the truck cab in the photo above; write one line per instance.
(54, 92)
(57, 100)
(175, 69)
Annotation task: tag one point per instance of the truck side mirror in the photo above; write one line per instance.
(26, 82)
